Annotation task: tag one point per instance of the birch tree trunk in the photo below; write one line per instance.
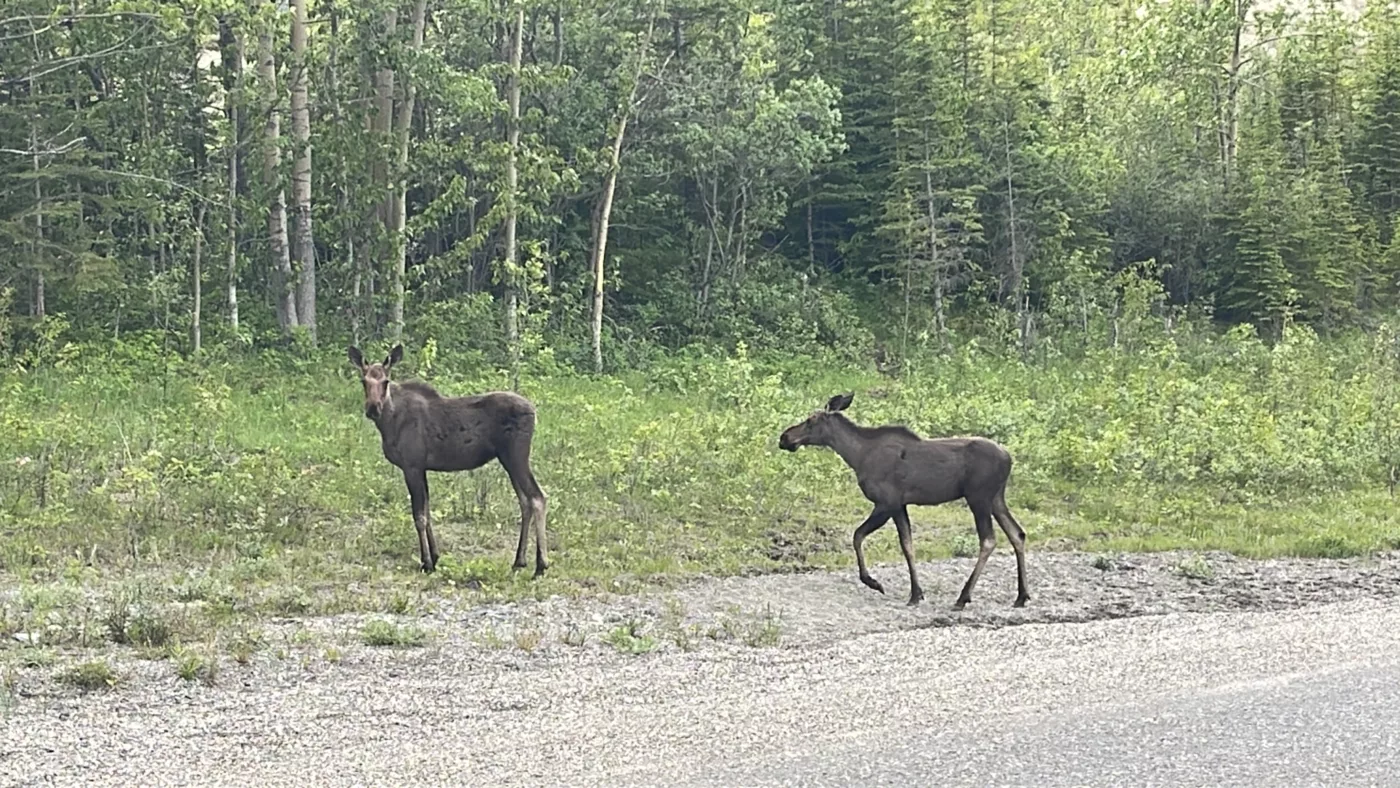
(231, 55)
(277, 213)
(512, 210)
(382, 122)
(939, 273)
(1017, 283)
(400, 199)
(349, 225)
(301, 174)
(600, 245)
(197, 275)
(37, 306)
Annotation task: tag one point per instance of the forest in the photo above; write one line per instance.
(1151, 247)
(605, 180)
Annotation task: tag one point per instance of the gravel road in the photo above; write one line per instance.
(1150, 669)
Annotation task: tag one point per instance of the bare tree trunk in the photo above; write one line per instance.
(711, 238)
(811, 233)
(1016, 285)
(277, 214)
(938, 272)
(38, 307)
(512, 208)
(600, 245)
(231, 53)
(1232, 91)
(558, 20)
(908, 303)
(382, 121)
(741, 250)
(301, 174)
(196, 334)
(400, 200)
(233, 233)
(348, 224)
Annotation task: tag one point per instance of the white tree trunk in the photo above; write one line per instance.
(400, 201)
(301, 174)
(512, 210)
(277, 213)
(232, 56)
(197, 277)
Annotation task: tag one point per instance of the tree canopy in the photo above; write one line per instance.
(602, 179)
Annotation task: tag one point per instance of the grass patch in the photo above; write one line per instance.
(383, 633)
(629, 638)
(193, 665)
(231, 502)
(1105, 562)
(245, 643)
(9, 690)
(766, 632)
(1195, 567)
(37, 658)
(489, 638)
(528, 640)
(143, 628)
(90, 676)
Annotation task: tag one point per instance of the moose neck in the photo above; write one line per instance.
(388, 411)
(846, 440)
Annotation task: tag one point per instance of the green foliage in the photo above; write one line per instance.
(192, 665)
(855, 178)
(91, 676)
(258, 485)
(629, 638)
(380, 632)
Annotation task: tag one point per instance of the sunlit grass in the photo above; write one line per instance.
(257, 489)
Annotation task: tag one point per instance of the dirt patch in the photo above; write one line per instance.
(720, 618)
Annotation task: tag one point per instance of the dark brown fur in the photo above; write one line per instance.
(896, 468)
(420, 430)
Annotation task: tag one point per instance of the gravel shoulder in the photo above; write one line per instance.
(706, 677)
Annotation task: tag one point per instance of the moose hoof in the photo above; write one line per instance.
(915, 599)
(960, 604)
(517, 567)
(1021, 601)
(872, 583)
(539, 571)
(428, 568)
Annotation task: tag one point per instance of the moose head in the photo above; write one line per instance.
(816, 428)
(375, 378)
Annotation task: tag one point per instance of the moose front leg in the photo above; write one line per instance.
(906, 544)
(873, 523)
(417, 481)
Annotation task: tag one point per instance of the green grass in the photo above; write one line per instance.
(630, 638)
(386, 633)
(91, 676)
(149, 505)
(195, 665)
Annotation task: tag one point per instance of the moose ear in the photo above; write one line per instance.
(395, 356)
(840, 402)
(355, 357)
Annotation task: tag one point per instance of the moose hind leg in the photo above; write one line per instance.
(533, 508)
(417, 481)
(432, 535)
(982, 515)
(539, 503)
(906, 545)
(1017, 536)
(873, 523)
